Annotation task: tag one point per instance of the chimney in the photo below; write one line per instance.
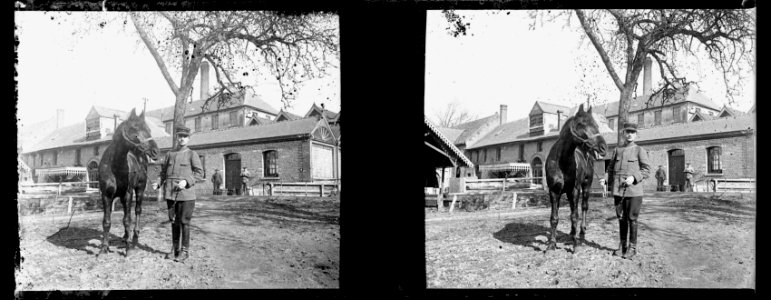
(204, 80)
(647, 88)
(504, 114)
(559, 119)
(59, 117)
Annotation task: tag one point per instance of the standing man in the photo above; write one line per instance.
(180, 171)
(661, 176)
(216, 181)
(630, 167)
(688, 177)
(245, 175)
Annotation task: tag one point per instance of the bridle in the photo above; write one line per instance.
(140, 145)
(587, 140)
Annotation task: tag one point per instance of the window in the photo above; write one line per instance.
(521, 152)
(197, 124)
(536, 120)
(234, 118)
(612, 124)
(168, 127)
(457, 172)
(203, 164)
(77, 157)
(56, 157)
(683, 114)
(657, 117)
(484, 155)
(713, 160)
(498, 154)
(640, 119)
(96, 150)
(270, 158)
(540, 146)
(676, 114)
(41, 158)
(215, 121)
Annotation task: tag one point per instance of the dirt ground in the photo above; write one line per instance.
(236, 242)
(695, 241)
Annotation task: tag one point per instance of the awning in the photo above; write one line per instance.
(506, 167)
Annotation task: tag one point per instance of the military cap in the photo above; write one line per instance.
(630, 127)
(183, 131)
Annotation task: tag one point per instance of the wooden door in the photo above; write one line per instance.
(323, 162)
(232, 171)
(676, 167)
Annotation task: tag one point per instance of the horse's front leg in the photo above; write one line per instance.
(138, 197)
(573, 198)
(584, 210)
(106, 222)
(554, 198)
(126, 202)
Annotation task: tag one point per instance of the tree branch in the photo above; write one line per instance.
(155, 54)
(603, 55)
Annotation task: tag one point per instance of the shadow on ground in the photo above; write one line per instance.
(535, 236)
(80, 238)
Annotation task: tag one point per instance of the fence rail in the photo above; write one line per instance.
(503, 184)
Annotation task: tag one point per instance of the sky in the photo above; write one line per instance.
(502, 61)
(111, 68)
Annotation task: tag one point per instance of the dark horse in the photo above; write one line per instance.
(570, 168)
(123, 173)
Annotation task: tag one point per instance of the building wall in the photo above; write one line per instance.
(223, 120)
(549, 122)
(737, 159)
(510, 153)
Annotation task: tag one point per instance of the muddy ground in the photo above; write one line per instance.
(236, 242)
(696, 241)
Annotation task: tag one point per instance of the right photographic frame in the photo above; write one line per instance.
(590, 148)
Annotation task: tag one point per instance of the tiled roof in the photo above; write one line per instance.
(734, 112)
(450, 133)
(509, 132)
(469, 128)
(74, 135)
(639, 103)
(335, 130)
(288, 115)
(272, 130)
(689, 129)
(109, 112)
(31, 134)
(551, 108)
(194, 108)
(448, 143)
(330, 115)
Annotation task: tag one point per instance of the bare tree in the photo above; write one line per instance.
(452, 115)
(625, 38)
(290, 48)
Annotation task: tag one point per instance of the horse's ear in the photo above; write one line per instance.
(580, 108)
(142, 115)
(588, 111)
(133, 114)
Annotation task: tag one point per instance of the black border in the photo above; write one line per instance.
(382, 80)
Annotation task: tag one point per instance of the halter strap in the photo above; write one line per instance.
(135, 144)
(583, 140)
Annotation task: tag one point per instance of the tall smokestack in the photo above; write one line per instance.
(647, 88)
(59, 118)
(504, 113)
(204, 80)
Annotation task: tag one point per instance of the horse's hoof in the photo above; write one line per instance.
(551, 246)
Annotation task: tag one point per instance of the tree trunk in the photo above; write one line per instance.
(624, 102)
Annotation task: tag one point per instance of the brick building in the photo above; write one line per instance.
(275, 146)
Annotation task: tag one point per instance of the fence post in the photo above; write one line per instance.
(452, 205)
(503, 185)
(69, 205)
(439, 201)
(321, 191)
(270, 185)
(59, 190)
(514, 201)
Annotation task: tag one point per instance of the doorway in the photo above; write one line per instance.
(93, 173)
(676, 167)
(233, 173)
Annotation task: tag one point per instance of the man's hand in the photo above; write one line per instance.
(155, 186)
(629, 180)
(182, 184)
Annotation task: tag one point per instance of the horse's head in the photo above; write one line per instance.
(136, 132)
(587, 132)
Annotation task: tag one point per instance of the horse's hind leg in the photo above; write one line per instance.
(573, 198)
(554, 198)
(126, 202)
(106, 222)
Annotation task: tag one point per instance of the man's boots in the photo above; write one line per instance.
(632, 240)
(174, 242)
(183, 255)
(622, 229)
(174, 251)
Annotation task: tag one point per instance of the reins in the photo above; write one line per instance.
(135, 144)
